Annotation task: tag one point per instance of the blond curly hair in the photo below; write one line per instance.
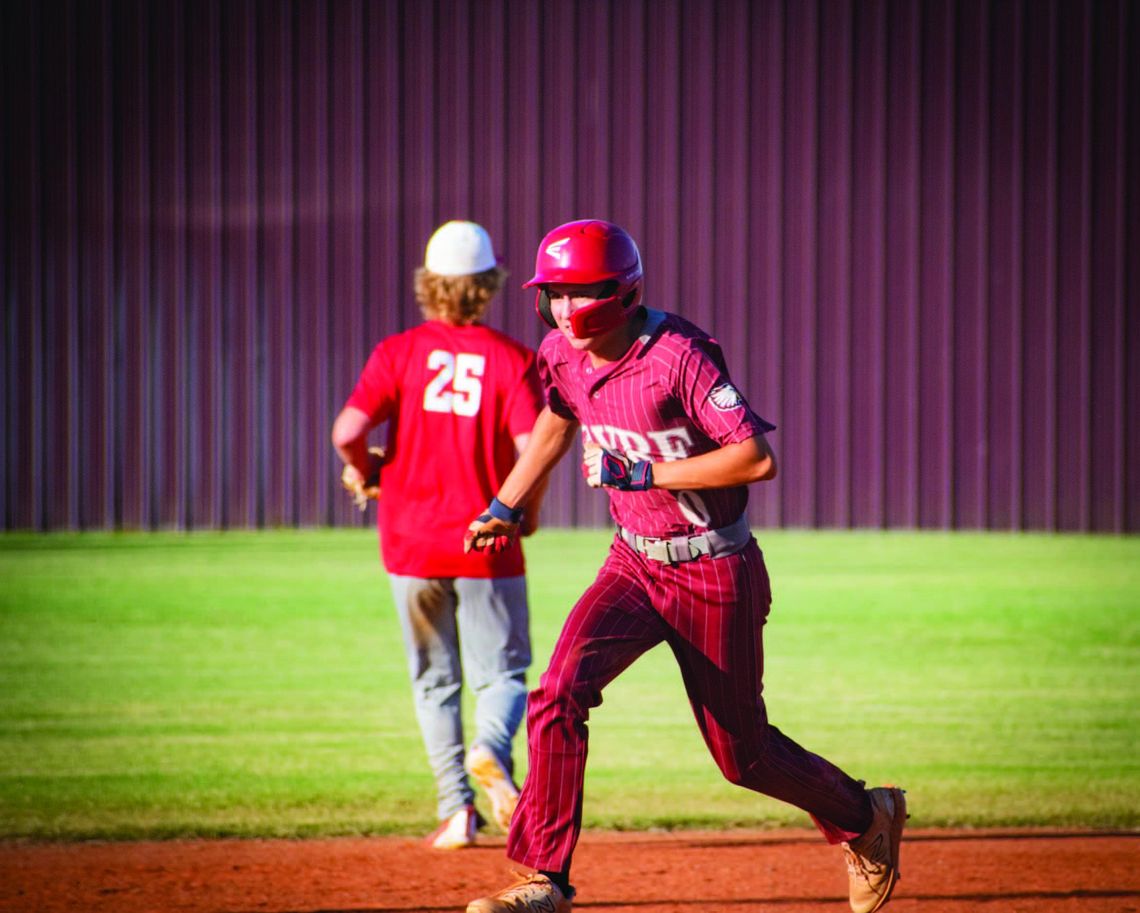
(457, 299)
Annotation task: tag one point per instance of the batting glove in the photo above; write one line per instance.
(606, 469)
(494, 530)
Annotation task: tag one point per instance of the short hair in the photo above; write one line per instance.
(457, 299)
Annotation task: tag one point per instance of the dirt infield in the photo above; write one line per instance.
(736, 871)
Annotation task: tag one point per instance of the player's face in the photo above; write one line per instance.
(565, 300)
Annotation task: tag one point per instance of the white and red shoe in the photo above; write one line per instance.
(456, 832)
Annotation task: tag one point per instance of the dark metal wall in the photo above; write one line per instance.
(915, 227)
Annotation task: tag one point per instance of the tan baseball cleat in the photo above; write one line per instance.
(496, 782)
(531, 894)
(873, 857)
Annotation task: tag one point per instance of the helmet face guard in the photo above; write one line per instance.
(592, 319)
(586, 252)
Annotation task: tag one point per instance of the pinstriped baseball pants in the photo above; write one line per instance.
(711, 612)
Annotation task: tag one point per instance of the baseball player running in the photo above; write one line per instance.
(674, 444)
(459, 399)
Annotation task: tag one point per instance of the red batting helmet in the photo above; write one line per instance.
(582, 253)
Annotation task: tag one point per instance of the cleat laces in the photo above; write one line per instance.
(859, 866)
(519, 888)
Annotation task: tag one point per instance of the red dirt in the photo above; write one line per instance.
(735, 871)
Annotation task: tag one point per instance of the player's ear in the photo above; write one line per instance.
(542, 305)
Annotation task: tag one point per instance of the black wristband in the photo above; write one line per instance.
(500, 511)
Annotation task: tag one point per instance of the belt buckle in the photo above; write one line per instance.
(680, 550)
(655, 549)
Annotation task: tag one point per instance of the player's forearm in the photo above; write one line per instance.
(551, 437)
(350, 438)
(736, 464)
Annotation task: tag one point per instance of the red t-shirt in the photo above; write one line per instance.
(454, 397)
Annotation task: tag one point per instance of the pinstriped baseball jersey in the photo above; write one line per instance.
(669, 397)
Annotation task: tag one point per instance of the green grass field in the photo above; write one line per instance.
(253, 684)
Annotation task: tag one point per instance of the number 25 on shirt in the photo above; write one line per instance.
(456, 386)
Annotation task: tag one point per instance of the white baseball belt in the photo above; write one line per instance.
(715, 543)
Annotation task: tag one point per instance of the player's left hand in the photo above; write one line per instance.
(606, 469)
(361, 488)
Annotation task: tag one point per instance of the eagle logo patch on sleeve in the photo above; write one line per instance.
(726, 398)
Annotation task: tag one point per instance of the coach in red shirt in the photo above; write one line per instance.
(675, 445)
(460, 400)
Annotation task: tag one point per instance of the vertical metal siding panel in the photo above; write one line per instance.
(1074, 125)
(697, 161)
(278, 219)
(241, 446)
(312, 264)
(524, 160)
(1132, 281)
(592, 143)
(7, 294)
(559, 123)
(454, 102)
(346, 304)
(561, 193)
(60, 265)
(833, 365)
(420, 150)
(384, 284)
(628, 140)
(567, 498)
(904, 81)
(1006, 179)
(24, 291)
(94, 479)
(490, 138)
(1039, 303)
(591, 138)
(967, 452)
(133, 282)
(205, 341)
(584, 193)
(167, 302)
(936, 355)
(663, 256)
(762, 373)
(868, 265)
(627, 133)
(1106, 491)
(799, 393)
(527, 160)
(567, 502)
(729, 83)
(425, 150)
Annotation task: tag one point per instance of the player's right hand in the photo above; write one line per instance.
(494, 530)
(488, 534)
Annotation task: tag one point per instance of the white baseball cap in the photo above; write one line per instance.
(459, 249)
